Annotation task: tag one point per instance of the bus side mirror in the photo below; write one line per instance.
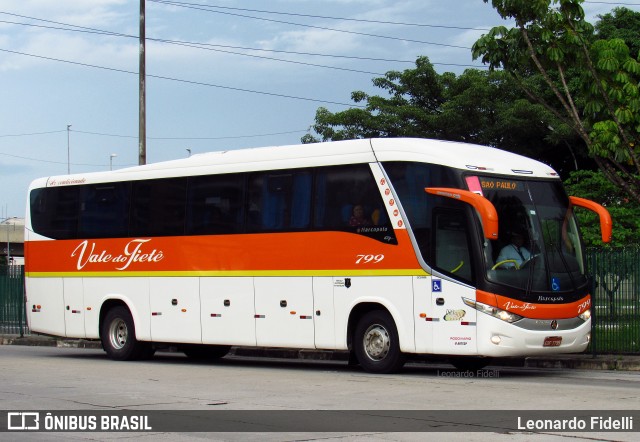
(483, 206)
(605, 218)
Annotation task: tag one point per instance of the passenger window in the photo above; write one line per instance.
(347, 199)
(104, 210)
(216, 204)
(54, 212)
(279, 201)
(158, 207)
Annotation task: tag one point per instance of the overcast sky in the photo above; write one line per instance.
(260, 72)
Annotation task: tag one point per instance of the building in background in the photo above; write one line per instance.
(12, 241)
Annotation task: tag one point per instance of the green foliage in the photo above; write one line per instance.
(593, 81)
(482, 107)
(625, 213)
(621, 23)
(413, 96)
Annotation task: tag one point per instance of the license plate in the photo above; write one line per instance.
(552, 341)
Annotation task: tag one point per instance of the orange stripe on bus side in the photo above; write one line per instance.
(286, 253)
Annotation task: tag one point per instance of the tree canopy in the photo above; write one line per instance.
(478, 106)
(593, 81)
(557, 89)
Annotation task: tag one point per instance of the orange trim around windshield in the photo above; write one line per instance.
(485, 209)
(605, 217)
(534, 310)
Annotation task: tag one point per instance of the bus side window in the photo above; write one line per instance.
(279, 201)
(215, 204)
(104, 211)
(158, 207)
(54, 211)
(347, 199)
(451, 243)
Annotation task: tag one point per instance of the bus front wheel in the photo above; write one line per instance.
(376, 343)
(118, 336)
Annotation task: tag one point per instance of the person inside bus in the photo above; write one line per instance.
(514, 252)
(358, 217)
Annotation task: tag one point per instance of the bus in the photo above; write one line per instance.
(385, 248)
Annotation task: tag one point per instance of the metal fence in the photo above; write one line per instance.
(13, 315)
(616, 300)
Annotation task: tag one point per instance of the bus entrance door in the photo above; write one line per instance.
(454, 322)
(424, 321)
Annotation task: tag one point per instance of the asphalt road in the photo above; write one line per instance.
(49, 378)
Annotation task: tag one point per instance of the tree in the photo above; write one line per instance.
(415, 95)
(622, 23)
(625, 214)
(592, 83)
(483, 107)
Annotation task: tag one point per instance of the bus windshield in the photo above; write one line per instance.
(538, 247)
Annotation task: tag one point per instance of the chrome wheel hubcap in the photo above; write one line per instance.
(376, 342)
(118, 334)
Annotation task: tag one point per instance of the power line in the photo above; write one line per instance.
(231, 137)
(31, 134)
(603, 3)
(211, 46)
(180, 80)
(40, 160)
(203, 46)
(384, 22)
(365, 34)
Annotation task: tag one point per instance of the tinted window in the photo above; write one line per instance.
(158, 207)
(54, 212)
(279, 201)
(347, 199)
(452, 247)
(409, 181)
(104, 210)
(215, 204)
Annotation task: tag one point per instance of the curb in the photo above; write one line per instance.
(576, 362)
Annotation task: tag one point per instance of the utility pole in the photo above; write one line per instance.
(68, 151)
(142, 117)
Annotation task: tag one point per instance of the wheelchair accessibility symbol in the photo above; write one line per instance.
(555, 284)
(436, 285)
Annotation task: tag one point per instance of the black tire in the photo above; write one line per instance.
(469, 363)
(118, 336)
(205, 352)
(376, 343)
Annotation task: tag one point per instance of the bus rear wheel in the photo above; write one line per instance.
(118, 336)
(376, 343)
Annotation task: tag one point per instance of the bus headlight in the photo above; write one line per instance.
(493, 311)
(585, 315)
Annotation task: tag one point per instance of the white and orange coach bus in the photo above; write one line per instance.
(384, 247)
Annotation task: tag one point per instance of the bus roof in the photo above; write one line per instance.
(454, 154)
